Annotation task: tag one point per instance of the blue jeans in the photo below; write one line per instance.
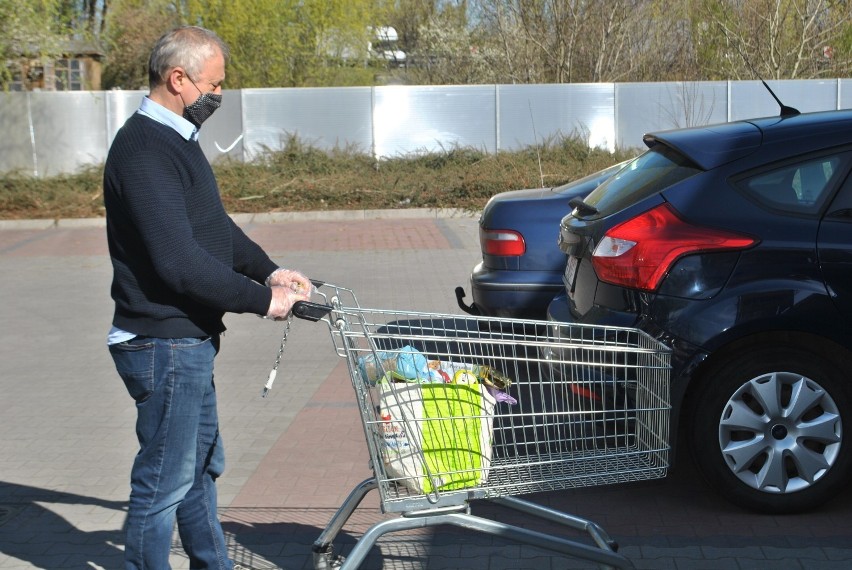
(180, 451)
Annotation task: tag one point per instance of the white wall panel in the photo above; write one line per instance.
(17, 150)
(751, 99)
(322, 117)
(532, 114)
(845, 94)
(645, 107)
(415, 119)
(46, 133)
(71, 130)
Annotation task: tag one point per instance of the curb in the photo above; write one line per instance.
(262, 218)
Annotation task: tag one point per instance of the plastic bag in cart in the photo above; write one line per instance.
(406, 364)
(410, 365)
(436, 437)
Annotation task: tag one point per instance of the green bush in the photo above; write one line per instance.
(300, 177)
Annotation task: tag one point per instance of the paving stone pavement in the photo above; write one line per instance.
(68, 425)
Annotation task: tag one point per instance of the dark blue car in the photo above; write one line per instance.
(732, 244)
(522, 266)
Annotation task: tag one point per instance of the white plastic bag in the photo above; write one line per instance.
(436, 437)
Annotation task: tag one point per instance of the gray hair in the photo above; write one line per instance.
(188, 47)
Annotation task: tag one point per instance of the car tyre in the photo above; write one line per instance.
(771, 429)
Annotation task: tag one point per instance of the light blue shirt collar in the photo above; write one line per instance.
(162, 115)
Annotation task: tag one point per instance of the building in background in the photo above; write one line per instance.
(77, 69)
(385, 46)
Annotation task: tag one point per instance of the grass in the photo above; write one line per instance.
(302, 178)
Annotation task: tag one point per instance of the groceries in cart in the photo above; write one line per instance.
(436, 417)
(436, 437)
(409, 365)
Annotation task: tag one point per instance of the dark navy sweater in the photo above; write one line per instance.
(179, 262)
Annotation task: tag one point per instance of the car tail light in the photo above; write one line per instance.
(502, 242)
(638, 253)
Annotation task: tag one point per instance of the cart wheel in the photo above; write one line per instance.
(327, 560)
(613, 545)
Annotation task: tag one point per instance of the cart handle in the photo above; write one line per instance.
(311, 311)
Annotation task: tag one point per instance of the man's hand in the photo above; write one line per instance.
(283, 299)
(292, 279)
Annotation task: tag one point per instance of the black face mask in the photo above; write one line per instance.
(201, 109)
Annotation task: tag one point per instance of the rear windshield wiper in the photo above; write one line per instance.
(582, 208)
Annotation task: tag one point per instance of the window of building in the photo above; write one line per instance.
(68, 75)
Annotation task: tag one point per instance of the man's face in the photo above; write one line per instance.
(208, 81)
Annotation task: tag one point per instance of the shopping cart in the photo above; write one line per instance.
(457, 409)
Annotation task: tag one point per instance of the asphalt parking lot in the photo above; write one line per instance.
(68, 436)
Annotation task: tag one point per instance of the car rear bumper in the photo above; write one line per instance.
(558, 310)
(686, 358)
(514, 294)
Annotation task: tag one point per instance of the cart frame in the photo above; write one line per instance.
(591, 407)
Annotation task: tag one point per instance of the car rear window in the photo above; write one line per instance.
(651, 172)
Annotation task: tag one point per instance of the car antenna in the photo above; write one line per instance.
(785, 110)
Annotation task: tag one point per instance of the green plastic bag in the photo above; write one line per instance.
(436, 437)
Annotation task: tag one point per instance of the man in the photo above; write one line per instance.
(179, 263)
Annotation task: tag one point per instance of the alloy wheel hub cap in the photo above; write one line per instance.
(780, 432)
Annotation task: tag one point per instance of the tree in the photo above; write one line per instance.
(32, 29)
(448, 53)
(545, 41)
(441, 45)
(278, 43)
(408, 17)
(131, 29)
(87, 18)
(562, 41)
(525, 34)
(773, 39)
(337, 33)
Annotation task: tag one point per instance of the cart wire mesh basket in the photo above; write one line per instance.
(460, 408)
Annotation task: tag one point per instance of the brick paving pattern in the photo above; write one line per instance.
(293, 457)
